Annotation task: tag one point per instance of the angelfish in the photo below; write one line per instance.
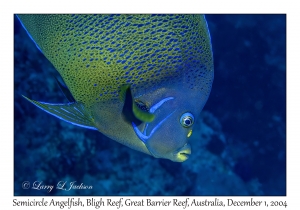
(141, 80)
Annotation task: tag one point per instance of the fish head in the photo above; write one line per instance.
(170, 135)
(176, 112)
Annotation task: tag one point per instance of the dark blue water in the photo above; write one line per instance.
(239, 148)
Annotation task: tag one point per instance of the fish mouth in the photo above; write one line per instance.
(186, 155)
(183, 153)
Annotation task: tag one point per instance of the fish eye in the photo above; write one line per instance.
(187, 120)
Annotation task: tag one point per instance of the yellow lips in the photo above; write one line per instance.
(183, 154)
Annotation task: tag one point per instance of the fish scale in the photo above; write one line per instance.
(108, 46)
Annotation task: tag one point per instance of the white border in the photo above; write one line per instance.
(8, 8)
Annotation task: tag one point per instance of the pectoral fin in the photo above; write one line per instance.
(73, 113)
(131, 111)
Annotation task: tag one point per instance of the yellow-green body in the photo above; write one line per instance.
(158, 56)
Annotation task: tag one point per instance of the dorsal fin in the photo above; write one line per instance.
(131, 112)
(74, 113)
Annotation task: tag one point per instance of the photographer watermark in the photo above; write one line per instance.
(61, 185)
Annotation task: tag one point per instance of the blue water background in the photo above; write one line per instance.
(239, 148)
